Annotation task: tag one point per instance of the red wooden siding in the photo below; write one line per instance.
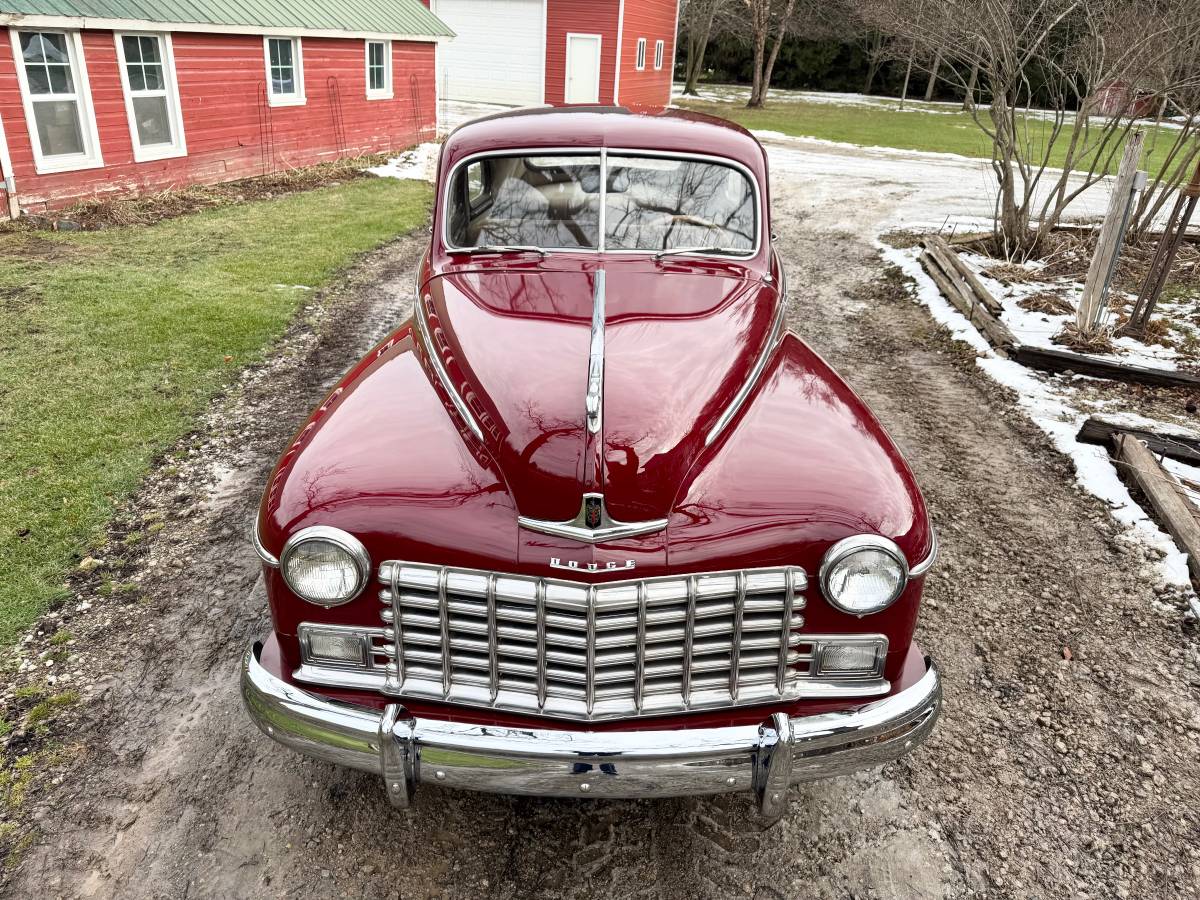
(230, 130)
(580, 17)
(653, 20)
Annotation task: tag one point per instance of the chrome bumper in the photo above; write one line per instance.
(765, 759)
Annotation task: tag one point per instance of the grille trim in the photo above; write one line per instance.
(572, 649)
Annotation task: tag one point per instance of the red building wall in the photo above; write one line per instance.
(654, 20)
(580, 17)
(230, 130)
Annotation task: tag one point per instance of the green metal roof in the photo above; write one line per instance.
(398, 17)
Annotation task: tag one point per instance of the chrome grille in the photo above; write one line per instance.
(594, 651)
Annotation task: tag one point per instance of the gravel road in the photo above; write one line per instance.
(1048, 776)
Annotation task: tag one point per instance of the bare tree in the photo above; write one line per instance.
(699, 22)
(767, 21)
(1067, 53)
(765, 24)
(871, 42)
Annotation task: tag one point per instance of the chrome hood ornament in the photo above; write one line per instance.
(592, 524)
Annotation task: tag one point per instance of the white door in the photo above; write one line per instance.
(498, 54)
(583, 68)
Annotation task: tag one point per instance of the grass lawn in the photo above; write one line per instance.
(111, 343)
(945, 131)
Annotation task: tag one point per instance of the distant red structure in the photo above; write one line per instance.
(1122, 98)
(93, 107)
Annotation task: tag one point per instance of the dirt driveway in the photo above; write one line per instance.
(1048, 777)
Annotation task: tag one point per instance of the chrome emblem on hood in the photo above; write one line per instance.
(575, 566)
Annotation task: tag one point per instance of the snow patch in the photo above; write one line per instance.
(1047, 401)
(417, 164)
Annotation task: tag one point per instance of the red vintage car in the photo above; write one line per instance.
(593, 522)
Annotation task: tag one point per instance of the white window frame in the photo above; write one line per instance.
(659, 48)
(296, 98)
(91, 158)
(640, 61)
(386, 92)
(178, 146)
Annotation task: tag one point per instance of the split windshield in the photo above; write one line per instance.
(554, 202)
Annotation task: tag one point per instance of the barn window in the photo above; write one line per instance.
(379, 70)
(641, 54)
(58, 104)
(151, 96)
(285, 71)
(658, 54)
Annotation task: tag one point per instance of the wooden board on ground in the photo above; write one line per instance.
(1064, 361)
(1098, 430)
(1165, 495)
(950, 260)
(962, 297)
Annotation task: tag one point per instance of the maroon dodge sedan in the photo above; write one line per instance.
(593, 522)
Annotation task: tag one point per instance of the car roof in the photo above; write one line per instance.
(583, 127)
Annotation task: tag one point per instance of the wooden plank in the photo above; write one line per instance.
(948, 257)
(1064, 360)
(1097, 430)
(1192, 236)
(995, 331)
(1165, 496)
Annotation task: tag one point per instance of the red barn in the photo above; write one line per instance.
(120, 96)
(521, 52)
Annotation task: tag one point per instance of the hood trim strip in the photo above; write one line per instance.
(594, 401)
(439, 369)
(752, 379)
(577, 529)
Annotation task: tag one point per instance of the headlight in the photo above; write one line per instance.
(325, 565)
(863, 574)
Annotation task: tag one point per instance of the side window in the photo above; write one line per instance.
(659, 46)
(58, 105)
(379, 70)
(285, 71)
(151, 96)
(479, 187)
(641, 54)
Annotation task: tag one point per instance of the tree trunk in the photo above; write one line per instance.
(779, 36)
(761, 23)
(969, 96)
(764, 64)
(1012, 219)
(937, 64)
(697, 47)
(872, 62)
(907, 75)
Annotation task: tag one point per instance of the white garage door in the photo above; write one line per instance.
(497, 55)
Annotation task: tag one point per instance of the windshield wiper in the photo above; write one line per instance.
(498, 248)
(715, 251)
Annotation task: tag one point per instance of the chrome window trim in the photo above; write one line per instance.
(263, 553)
(343, 539)
(853, 544)
(926, 564)
(577, 529)
(439, 368)
(603, 153)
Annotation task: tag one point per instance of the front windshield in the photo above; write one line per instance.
(554, 202)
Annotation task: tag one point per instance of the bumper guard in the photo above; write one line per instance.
(765, 759)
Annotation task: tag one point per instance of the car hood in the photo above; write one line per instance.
(679, 342)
